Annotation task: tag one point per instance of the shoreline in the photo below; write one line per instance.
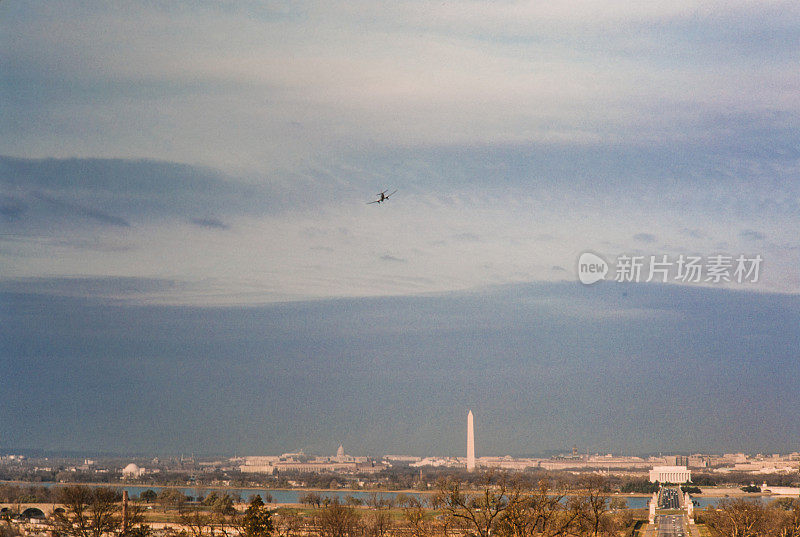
(707, 492)
(214, 487)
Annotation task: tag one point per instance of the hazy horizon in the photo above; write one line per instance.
(542, 366)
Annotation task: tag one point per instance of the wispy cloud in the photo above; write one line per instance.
(694, 233)
(11, 208)
(470, 237)
(116, 288)
(648, 238)
(752, 235)
(526, 73)
(74, 209)
(467, 237)
(519, 134)
(213, 223)
(392, 259)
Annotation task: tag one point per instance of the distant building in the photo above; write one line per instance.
(299, 462)
(670, 474)
(676, 460)
(439, 462)
(697, 461)
(402, 458)
(780, 491)
(507, 463)
(132, 470)
(600, 462)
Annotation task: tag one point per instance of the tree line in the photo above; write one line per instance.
(501, 506)
(748, 518)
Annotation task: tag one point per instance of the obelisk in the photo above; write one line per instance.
(470, 443)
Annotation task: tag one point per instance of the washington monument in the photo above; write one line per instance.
(470, 443)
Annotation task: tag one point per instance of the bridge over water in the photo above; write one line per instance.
(671, 514)
(29, 510)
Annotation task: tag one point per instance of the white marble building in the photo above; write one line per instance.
(670, 474)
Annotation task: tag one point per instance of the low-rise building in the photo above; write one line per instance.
(670, 474)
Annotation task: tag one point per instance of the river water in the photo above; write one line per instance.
(283, 496)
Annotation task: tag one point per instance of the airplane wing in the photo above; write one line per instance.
(387, 195)
(376, 201)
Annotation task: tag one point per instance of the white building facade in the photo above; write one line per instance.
(670, 474)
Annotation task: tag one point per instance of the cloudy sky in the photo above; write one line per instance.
(184, 221)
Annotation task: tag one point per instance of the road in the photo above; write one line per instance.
(670, 526)
(669, 499)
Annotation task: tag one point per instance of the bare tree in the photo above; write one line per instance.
(415, 517)
(352, 501)
(218, 518)
(9, 530)
(593, 507)
(377, 500)
(312, 499)
(195, 521)
(94, 512)
(788, 521)
(477, 514)
(741, 518)
(288, 523)
(539, 512)
(170, 497)
(337, 520)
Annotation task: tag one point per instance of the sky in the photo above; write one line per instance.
(184, 225)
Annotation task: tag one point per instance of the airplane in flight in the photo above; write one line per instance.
(383, 196)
